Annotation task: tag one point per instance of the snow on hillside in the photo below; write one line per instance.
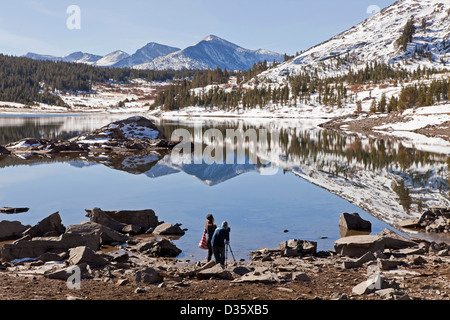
(112, 58)
(210, 53)
(145, 54)
(375, 39)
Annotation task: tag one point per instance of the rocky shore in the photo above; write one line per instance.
(130, 255)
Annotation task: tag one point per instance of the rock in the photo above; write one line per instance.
(65, 273)
(161, 248)
(357, 246)
(259, 278)
(84, 254)
(122, 282)
(393, 240)
(144, 219)
(368, 256)
(35, 247)
(241, 270)
(409, 223)
(388, 264)
(104, 234)
(143, 289)
(300, 276)
(386, 294)
(353, 222)
(351, 264)
(167, 228)
(217, 271)
(435, 220)
(52, 224)
(296, 247)
(11, 229)
(51, 256)
(98, 216)
(148, 275)
(10, 210)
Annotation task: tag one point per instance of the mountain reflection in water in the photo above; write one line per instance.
(384, 178)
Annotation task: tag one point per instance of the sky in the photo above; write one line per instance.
(60, 27)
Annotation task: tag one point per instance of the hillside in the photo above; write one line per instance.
(379, 39)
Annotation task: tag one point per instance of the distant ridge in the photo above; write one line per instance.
(209, 53)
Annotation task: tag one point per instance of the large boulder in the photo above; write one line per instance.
(83, 254)
(97, 215)
(158, 248)
(104, 234)
(393, 240)
(142, 219)
(353, 222)
(50, 226)
(167, 228)
(11, 229)
(357, 246)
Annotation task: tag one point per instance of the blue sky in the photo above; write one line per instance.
(284, 26)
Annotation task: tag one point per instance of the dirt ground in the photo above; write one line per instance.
(430, 281)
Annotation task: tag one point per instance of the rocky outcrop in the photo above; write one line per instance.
(290, 248)
(49, 236)
(133, 221)
(357, 246)
(50, 226)
(132, 134)
(433, 220)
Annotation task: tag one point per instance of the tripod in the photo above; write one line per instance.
(227, 246)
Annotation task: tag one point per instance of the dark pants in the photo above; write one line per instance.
(210, 251)
(219, 254)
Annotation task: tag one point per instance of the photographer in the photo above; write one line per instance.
(220, 239)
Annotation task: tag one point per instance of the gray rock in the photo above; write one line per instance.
(256, 277)
(148, 275)
(217, 271)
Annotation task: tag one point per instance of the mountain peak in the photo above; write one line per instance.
(378, 39)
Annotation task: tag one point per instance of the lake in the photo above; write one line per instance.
(291, 182)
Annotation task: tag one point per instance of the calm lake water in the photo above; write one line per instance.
(260, 201)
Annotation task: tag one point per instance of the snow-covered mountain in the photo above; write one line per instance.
(376, 39)
(112, 58)
(212, 52)
(145, 54)
(77, 57)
